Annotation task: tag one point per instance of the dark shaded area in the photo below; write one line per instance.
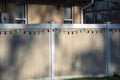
(92, 63)
(16, 42)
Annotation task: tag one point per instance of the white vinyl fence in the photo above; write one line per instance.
(73, 50)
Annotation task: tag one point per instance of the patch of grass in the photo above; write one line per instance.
(115, 76)
(103, 78)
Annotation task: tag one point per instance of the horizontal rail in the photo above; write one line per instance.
(80, 26)
(47, 25)
(113, 25)
(22, 26)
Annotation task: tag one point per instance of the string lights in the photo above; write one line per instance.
(30, 32)
(68, 32)
(114, 30)
(75, 32)
(89, 31)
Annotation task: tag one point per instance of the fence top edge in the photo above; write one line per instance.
(21, 26)
(80, 25)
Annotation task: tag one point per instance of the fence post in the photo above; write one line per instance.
(108, 56)
(52, 50)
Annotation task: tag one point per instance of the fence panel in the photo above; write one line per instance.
(80, 51)
(115, 47)
(24, 53)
